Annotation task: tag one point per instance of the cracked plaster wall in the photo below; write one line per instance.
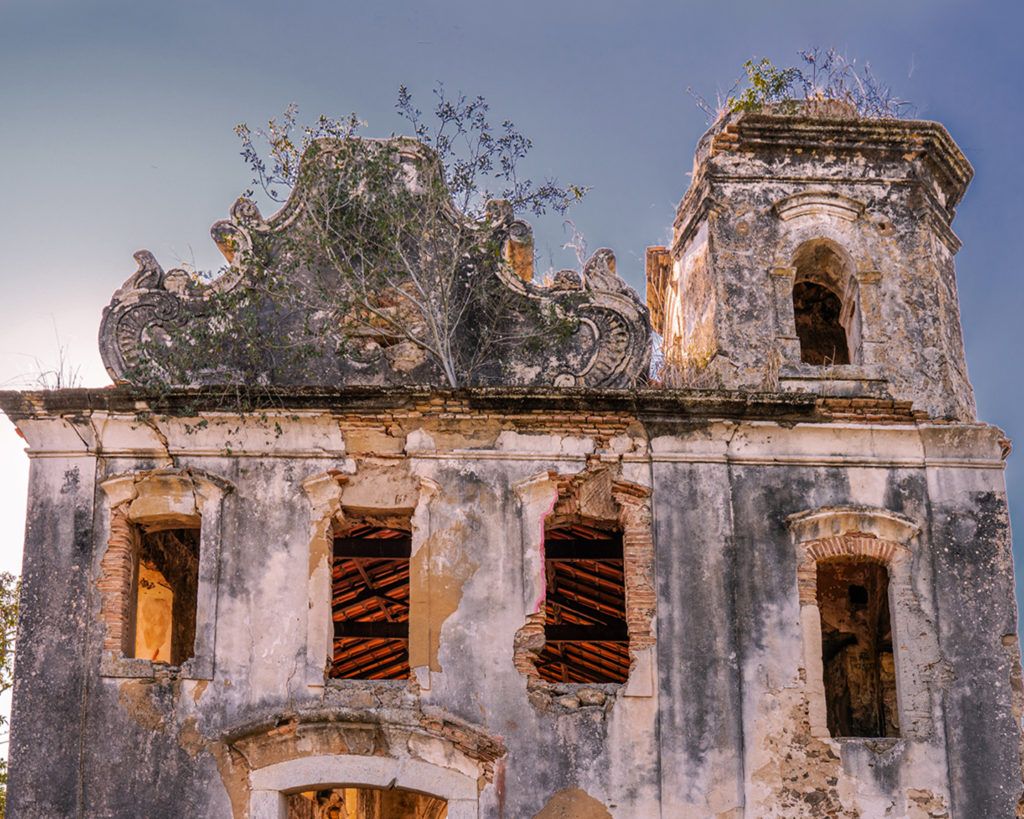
(725, 730)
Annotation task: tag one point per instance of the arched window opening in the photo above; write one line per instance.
(585, 632)
(370, 604)
(857, 656)
(817, 311)
(365, 803)
(166, 585)
(825, 305)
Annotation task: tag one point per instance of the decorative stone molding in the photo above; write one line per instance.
(817, 204)
(431, 754)
(269, 786)
(610, 346)
(158, 498)
(831, 521)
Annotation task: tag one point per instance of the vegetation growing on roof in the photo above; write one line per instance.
(822, 81)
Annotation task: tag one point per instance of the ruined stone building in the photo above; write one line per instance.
(775, 581)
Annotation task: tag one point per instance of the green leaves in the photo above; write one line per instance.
(767, 84)
(823, 76)
(10, 588)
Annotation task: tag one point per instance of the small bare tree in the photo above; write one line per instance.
(400, 237)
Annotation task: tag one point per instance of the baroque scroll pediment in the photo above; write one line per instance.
(172, 327)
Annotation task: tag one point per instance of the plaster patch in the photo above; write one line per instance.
(135, 696)
(573, 803)
(439, 572)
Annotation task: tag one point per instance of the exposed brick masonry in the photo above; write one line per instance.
(853, 544)
(115, 581)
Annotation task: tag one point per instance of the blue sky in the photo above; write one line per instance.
(117, 134)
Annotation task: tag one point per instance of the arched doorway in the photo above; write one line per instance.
(365, 803)
(367, 783)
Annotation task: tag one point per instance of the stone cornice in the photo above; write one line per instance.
(752, 133)
(898, 137)
(37, 404)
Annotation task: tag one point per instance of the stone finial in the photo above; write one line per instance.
(518, 250)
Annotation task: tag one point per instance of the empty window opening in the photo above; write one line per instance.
(817, 311)
(857, 657)
(166, 588)
(370, 604)
(365, 803)
(585, 633)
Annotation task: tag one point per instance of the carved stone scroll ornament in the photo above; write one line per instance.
(155, 315)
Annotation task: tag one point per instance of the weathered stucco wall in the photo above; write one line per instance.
(720, 724)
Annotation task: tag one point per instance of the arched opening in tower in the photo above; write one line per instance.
(856, 646)
(817, 311)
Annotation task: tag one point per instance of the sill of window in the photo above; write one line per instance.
(839, 380)
(115, 665)
(839, 372)
(876, 744)
(348, 684)
(571, 696)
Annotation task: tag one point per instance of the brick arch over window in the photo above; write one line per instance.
(159, 501)
(854, 545)
(865, 534)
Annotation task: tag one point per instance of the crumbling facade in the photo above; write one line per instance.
(778, 584)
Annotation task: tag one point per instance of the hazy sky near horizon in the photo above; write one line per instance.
(117, 135)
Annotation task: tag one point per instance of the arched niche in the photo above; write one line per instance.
(825, 304)
(818, 235)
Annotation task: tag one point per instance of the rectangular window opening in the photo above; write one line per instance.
(585, 633)
(370, 604)
(166, 586)
(857, 655)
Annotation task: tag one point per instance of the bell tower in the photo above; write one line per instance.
(813, 252)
